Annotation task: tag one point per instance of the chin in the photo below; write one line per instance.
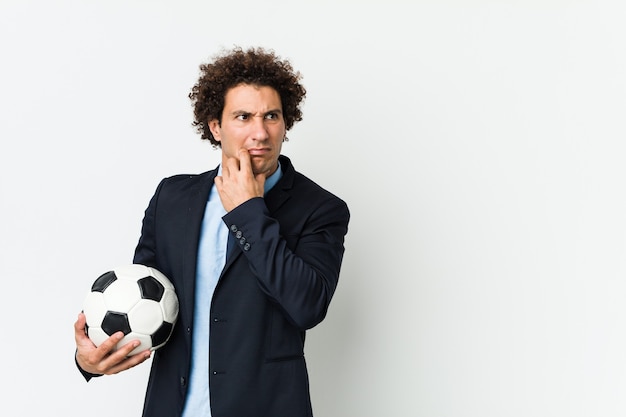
(258, 169)
(262, 169)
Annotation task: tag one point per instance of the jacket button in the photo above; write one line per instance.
(246, 247)
(233, 228)
(238, 234)
(242, 240)
(183, 381)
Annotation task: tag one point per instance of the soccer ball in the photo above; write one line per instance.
(135, 299)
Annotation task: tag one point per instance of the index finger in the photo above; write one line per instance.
(244, 160)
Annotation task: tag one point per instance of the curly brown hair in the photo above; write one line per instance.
(254, 66)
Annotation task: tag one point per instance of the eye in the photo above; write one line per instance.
(243, 116)
(272, 116)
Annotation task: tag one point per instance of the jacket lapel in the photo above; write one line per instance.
(278, 195)
(196, 205)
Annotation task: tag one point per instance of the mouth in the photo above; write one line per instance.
(258, 151)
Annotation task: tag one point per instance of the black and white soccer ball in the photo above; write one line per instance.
(135, 299)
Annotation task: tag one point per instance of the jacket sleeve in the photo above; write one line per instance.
(86, 375)
(145, 251)
(298, 272)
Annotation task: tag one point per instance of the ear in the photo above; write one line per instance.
(214, 126)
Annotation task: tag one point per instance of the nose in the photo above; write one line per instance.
(259, 130)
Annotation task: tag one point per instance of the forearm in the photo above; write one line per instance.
(298, 271)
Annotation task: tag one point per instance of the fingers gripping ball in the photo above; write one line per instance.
(135, 299)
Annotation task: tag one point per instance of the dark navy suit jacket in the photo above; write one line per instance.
(277, 284)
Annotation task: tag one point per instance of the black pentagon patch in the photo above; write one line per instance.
(162, 333)
(150, 288)
(104, 281)
(115, 322)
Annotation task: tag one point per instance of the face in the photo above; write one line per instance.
(252, 119)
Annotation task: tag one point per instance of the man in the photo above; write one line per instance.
(253, 247)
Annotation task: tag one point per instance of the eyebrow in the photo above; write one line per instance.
(244, 112)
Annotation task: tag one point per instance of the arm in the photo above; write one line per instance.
(95, 361)
(301, 275)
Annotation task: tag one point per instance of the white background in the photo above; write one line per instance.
(479, 145)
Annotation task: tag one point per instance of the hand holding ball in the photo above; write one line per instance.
(135, 299)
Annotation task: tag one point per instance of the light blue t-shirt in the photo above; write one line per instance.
(211, 260)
